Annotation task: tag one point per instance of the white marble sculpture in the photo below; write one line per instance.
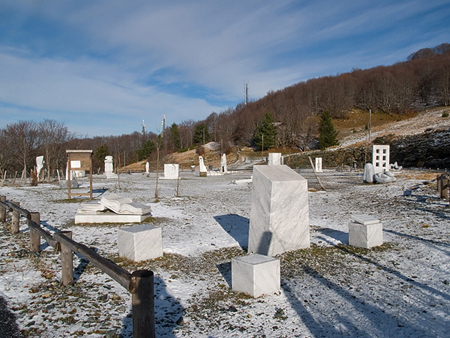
(109, 167)
(279, 215)
(140, 242)
(369, 172)
(319, 165)
(380, 158)
(39, 165)
(223, 164)
(147, 168)
(203, 170)
(171, 171)
(275, 159)
(255, 274)
(112, 208)
(365, 231)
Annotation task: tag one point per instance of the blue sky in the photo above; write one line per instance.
(102, 67)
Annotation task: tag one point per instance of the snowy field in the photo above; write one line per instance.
(401, 289)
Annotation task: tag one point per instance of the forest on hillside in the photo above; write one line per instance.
(422, 81)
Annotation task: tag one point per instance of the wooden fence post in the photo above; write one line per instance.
(2, 209)
(35, 238)
(66, 259)
(15, 221)
(143, 304)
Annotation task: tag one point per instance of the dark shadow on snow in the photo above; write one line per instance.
(225, 270)
(8, 324)
(168, 311)
(237, 226)
(338, 235)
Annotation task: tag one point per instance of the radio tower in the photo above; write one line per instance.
(143, 129)
(163, 124)
(246, 92)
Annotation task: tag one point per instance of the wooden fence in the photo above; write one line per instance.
(139, 283)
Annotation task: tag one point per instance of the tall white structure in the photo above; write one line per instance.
(319, 165)
(381, 158)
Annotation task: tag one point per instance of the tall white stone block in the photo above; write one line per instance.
(140, 242)
(171, 171)
(279, 215)
(109, 167)
(255, 275)
(380, 158)
(365, 231)
(223, 163)
(319, 165)
(202, 167)
(275, 159)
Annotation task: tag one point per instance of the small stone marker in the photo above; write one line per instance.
(140, 242)
(255, 274)
(319, 165)
(275, 159)
(364, 231)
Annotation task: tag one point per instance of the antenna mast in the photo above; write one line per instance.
(246, 92)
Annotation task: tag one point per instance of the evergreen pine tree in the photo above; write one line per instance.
(266, 132)
(201, 135)
(327, 133)
(175, 136)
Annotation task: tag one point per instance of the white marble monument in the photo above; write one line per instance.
(365, 231)
(109, 167)
(380, 158)
(223, 164)
(112, 208)
(147, 168)
(203, 170)
(171, 171)
(319, 165)
(255, 275)
(39, 165)
(275, 159)
(279, 215)
(140, 242)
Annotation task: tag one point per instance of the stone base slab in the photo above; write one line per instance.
(109, 217)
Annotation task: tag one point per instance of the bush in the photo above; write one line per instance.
(445, 114)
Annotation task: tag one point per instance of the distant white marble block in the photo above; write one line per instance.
(171, 171)
(255, 275)
(223, 164)
(381, 158)
(319, 165)
(147, 168)
(140, 242)
(275, 159)
(365, 231)
(279, 215)
(39, 165)
(203, 170)
(369, 172)
(109, 167)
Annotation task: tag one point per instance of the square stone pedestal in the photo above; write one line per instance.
(255, 274)
(140, 242)
(365, 231)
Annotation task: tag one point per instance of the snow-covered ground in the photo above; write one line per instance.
(401, 289)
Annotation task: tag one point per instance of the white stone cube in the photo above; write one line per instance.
(365, 235)
(171, 171)
(275, 159)
(140, 242)
(255, 275)
(279, 214)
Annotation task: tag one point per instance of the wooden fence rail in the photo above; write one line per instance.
(139, 283)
